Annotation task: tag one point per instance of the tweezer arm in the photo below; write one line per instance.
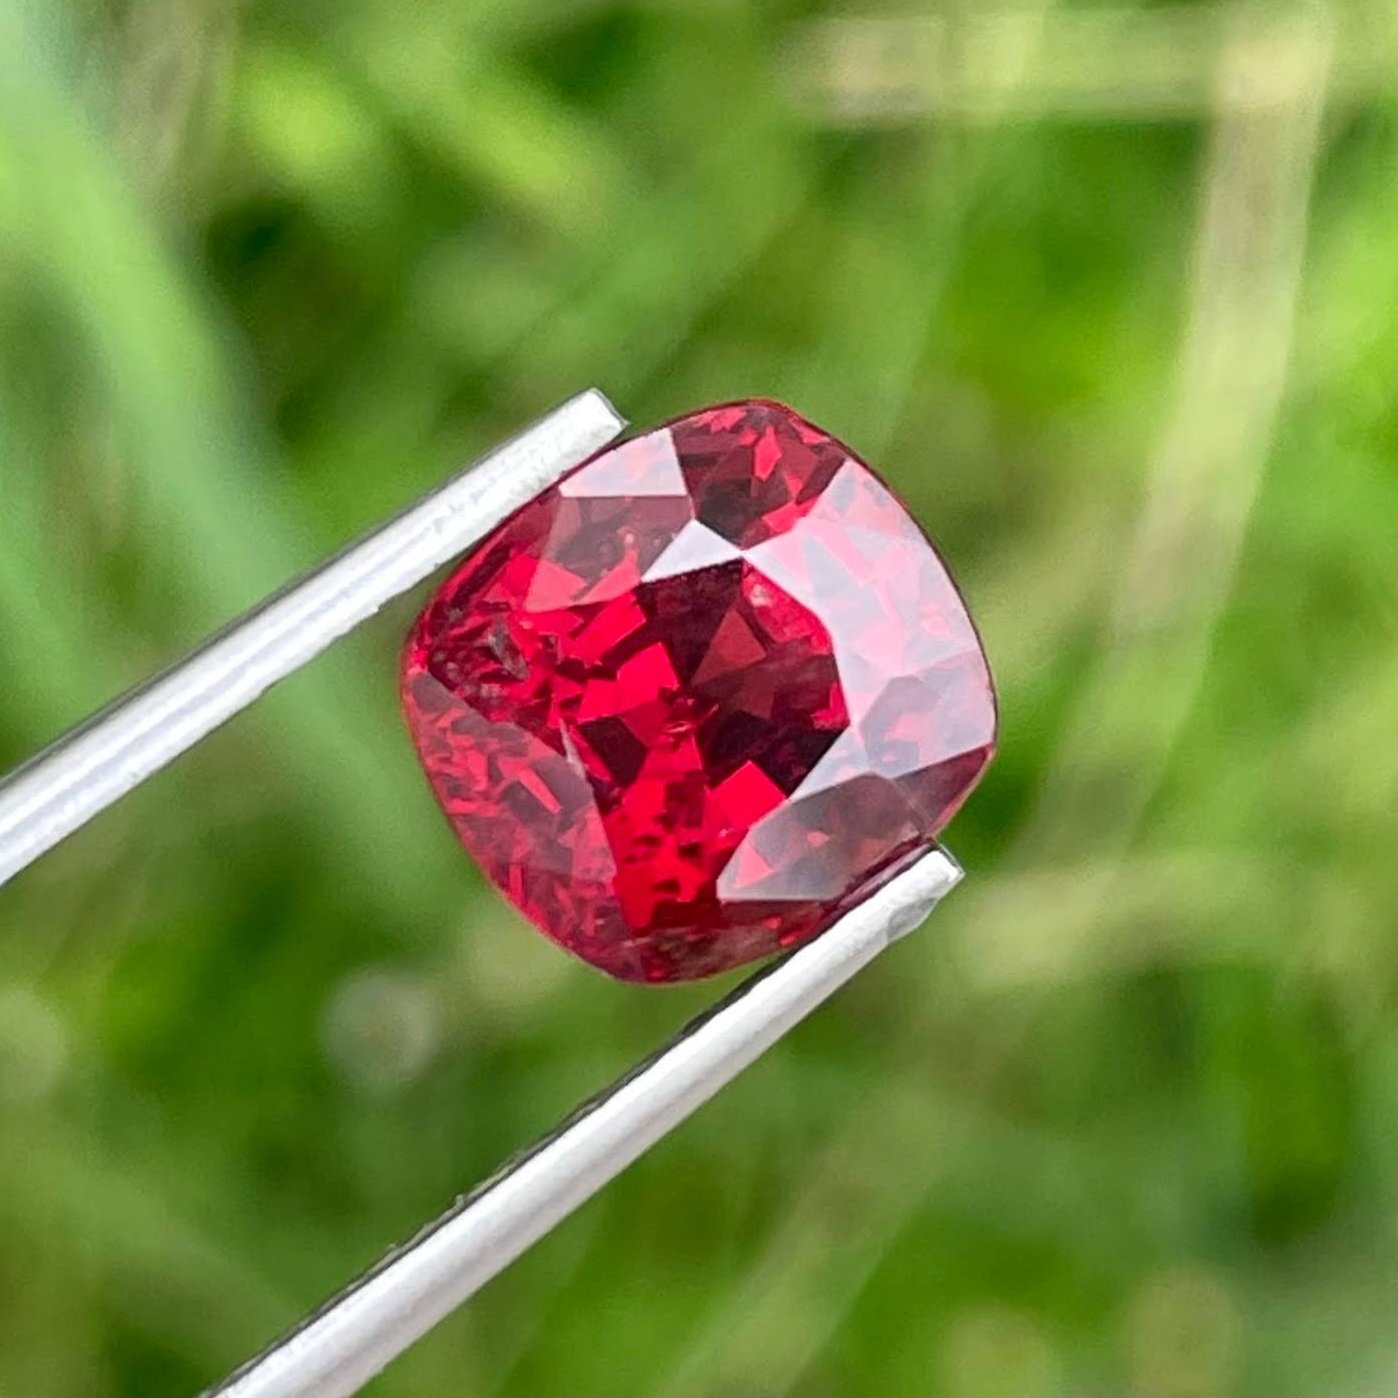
(82, 774)
(354, 1335)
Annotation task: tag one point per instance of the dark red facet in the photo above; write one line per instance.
(699, 697)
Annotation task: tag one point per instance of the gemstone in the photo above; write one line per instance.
(700, 697)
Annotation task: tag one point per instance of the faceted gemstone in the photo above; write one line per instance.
(695, 700)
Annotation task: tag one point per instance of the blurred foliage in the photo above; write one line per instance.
(1111, 295)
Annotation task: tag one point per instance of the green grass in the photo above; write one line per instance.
(1122, 1119)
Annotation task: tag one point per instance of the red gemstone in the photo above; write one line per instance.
(702, 695)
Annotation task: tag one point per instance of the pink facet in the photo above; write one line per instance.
(701, 696)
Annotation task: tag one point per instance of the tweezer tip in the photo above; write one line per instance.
(595, 403)
(920, 888)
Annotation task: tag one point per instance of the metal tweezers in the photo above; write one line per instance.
(341, 1346)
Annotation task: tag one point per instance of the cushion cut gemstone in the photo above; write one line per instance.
(698, 698)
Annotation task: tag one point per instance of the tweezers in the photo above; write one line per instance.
(344, 1344)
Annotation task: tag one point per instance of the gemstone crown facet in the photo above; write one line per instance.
(702, 695)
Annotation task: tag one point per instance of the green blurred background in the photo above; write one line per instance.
(1111, 294)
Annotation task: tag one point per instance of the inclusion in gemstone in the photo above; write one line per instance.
(695, 700)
